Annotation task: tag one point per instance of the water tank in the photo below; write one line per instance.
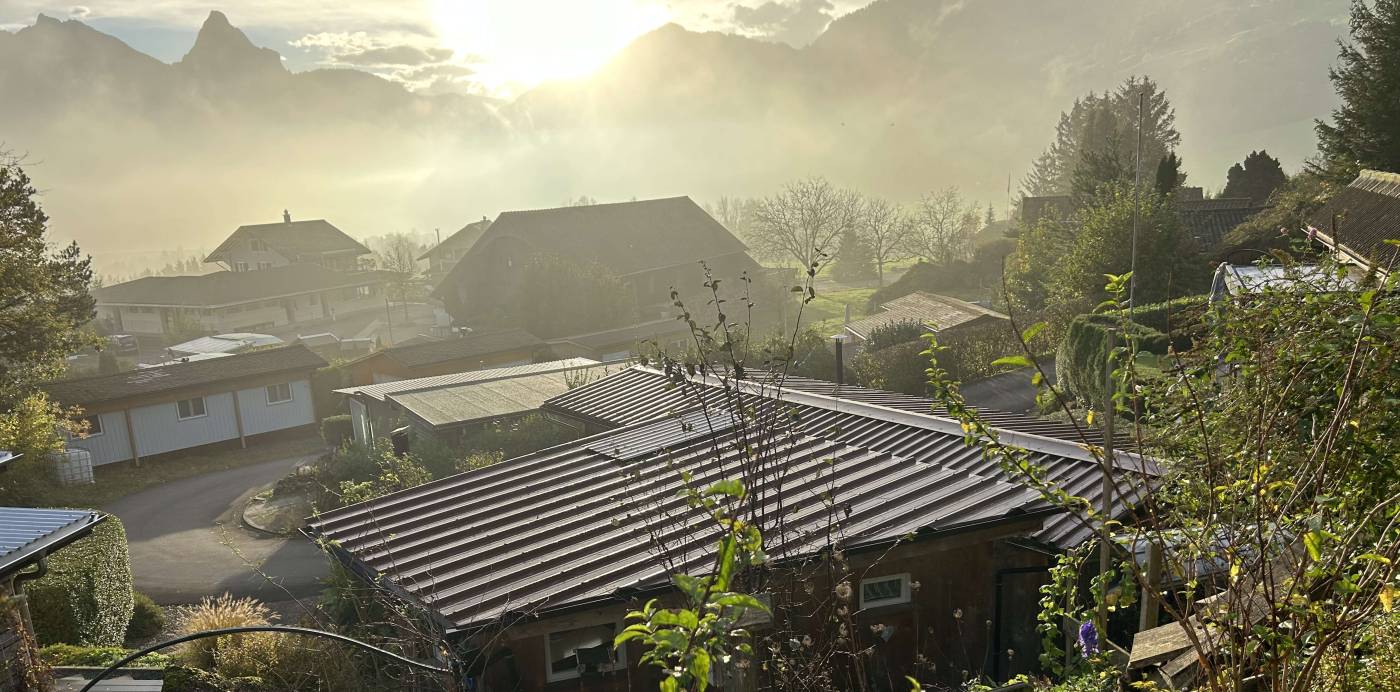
(73, 467)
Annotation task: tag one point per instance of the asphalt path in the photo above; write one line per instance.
(187, 541)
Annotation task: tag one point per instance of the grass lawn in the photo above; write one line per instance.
(827, 312)
(118, 480)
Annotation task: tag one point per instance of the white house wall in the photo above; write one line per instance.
(260, 417)
(158, 428)
(109, 447)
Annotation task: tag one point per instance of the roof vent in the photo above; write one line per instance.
(286, 216)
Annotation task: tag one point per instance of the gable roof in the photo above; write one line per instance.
(464, 238)
(169, 379)
(224, 288)
(381, 391)
(467, 402)
(909, 426)
(625, 237)
(1367, 213)
(472, 345)
(530, 535)
(941, 312)
(298, 241)
(1209, 224)
(27, 534)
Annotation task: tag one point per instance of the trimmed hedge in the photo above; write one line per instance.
(147, 618)
(335, 430)
(64, 655)
(1080, 360)
(86, 597)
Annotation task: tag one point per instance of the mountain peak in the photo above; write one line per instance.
(222, 50)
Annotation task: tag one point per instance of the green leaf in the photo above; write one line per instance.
(1017, 361)
(1033, 330)
(1312, 540)
(700, 669)
(732, 488)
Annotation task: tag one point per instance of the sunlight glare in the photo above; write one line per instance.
(522, 43)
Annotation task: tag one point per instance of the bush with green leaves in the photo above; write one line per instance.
(513, 437)
(61, 655)
(893, 334)
(147, 618)
(86, 598)
(337, 430)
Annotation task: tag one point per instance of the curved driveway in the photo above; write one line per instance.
(187, 541)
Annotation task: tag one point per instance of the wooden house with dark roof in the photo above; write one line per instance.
(175, 407)
(651, 245)
(445, 255)
(477, 350)
(1360, 218)
(268, 245)
(233, 301)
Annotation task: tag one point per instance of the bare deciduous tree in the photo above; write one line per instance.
(803, 221)
(885, 228)
(943, 227)
(734, 213)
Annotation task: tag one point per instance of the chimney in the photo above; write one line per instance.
(840, 342)
(286, 216)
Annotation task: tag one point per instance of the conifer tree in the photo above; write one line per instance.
(1365, 129)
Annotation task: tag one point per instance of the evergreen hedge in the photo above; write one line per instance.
(1080, 358)
(86, 597)
(336, 430)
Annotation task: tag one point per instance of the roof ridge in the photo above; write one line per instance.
(929, 421)
(581, 207)
(159, 368)
(1381, 182)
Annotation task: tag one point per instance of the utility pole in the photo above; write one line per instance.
(389, 316)
(1106, 501)
(1137, 212)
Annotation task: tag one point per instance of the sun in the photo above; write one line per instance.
(521, 43)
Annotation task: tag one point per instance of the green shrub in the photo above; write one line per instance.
(1080, 360)
(325, 402)
(186, 679)
(57, 655)
(147, 618)
(516, 436)
(898, 368)
(892, 334)
(86, 597)
(336, 430)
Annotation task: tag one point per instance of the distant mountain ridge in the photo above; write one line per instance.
(897, 98)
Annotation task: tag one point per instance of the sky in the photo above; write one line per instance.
(494, 47)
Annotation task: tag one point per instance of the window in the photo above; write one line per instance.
(190, 408)
(94, 425)
(264, 265)
(240, 266)
(257, 245)
(570, 652)
(362, 291)
(279, 393)
(883, 591)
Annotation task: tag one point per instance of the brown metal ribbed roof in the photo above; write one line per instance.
(574, 524)
(868, 418)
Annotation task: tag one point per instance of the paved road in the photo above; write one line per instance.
(187, 542)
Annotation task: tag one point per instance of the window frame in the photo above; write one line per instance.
(94, 424)
(619, 655)
(267, 393)
(203, 409)
(905, 595)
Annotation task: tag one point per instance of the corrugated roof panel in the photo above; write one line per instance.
(493, 398)
(573, 523)
(643, 394)
(25, 532)
(384, 389)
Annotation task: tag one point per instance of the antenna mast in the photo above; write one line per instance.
(1137, 211)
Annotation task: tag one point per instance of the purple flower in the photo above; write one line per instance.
(1088, 639)
(1312, 233)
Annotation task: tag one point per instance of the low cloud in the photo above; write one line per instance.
(796, 22)
(79, 12)
(395, 55)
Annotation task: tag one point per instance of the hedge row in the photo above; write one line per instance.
(86, 597)
(1080, 358)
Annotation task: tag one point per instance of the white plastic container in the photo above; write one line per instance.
(73, 467)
